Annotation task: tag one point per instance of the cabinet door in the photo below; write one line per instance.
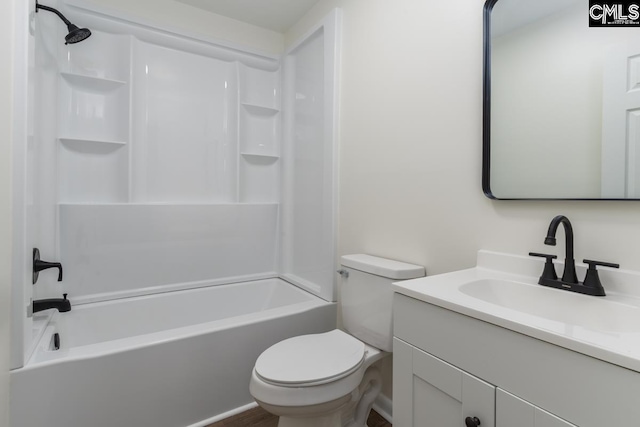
(429, 392)
(513, 411)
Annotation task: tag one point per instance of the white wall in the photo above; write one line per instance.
(172, 14)
(6, 34)
(411, 121)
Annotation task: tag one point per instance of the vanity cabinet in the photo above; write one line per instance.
(435, 393)
(432, 392)
(449, 366)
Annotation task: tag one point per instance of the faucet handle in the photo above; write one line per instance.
(592, 279)
(593, 264)
(39, 265)
(549, 271)
(547, 256)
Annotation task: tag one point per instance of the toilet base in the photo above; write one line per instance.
(332, 420)
(328, 414)
(340, 418)
(351, 410)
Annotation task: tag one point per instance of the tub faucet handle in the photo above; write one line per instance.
(344, 273)
(39, 265)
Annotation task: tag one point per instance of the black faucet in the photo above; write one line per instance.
(61, 304)
(569, 274)
(569, 281)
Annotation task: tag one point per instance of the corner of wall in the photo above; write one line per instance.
(311, 18)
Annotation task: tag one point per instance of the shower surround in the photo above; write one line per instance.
(167, 148)
(165, 154)
(163, 163)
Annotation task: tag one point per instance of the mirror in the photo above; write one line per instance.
(561, 103)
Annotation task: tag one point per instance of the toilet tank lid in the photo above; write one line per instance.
(383, 267)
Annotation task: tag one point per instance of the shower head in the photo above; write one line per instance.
(75, 34)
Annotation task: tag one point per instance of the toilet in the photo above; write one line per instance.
(327, 380)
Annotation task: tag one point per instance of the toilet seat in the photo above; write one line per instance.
(311, 360)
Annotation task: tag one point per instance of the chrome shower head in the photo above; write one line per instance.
(75, 34)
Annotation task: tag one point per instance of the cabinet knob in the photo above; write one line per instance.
(472, 422)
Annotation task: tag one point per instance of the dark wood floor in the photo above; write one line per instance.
(258, 417)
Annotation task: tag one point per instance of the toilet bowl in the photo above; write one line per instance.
(314, 378)
(329, 379)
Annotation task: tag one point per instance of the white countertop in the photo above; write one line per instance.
(606, 328)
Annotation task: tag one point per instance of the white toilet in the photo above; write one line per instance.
(327, 380)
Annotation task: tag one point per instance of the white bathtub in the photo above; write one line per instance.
(169, 360)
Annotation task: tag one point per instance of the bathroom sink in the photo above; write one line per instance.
(503, 290)
(591, 313)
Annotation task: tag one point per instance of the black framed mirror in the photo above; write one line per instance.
(561, 103)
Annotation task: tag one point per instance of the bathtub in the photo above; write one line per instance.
(169, 360)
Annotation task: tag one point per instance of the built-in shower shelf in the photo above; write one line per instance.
(91, 83)
(87, 143)
(260, 156)
(260, 110)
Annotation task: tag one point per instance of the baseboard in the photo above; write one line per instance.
(384, 406)
(227, 414)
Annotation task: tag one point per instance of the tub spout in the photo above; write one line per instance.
(61, 304)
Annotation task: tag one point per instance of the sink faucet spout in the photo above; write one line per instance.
(569, 275)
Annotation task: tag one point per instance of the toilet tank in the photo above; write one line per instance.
(366, 297)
